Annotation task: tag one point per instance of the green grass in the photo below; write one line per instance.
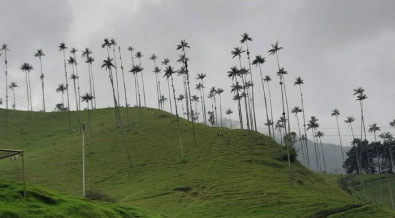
(242, 174)
(41, 202)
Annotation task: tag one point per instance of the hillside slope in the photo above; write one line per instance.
(44, 203)
(242, 174)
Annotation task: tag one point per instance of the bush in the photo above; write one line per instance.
(98, 196)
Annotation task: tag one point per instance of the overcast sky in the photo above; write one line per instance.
(335, 46)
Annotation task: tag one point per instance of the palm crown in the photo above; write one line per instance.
(335, 112)
(258, 60)
(39, 53)
(245, 37)
(275, 49)
(26, 67)
(237, 52)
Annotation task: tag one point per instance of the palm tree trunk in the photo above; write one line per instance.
(27, 93)
(93, 85)
(124, 86)
(216, 114)
(264, 97)
(286, 102)
(245, 104)
(230, 119)
(323, 156)
(6, 90)
(42, 83)
(90, 83)
(315, 150)
(116, 74)
(340, 138)
(378, 162)
(67, 88)
(14, 99)
(220, 108)
(204, 105)
(252, 88)
(30, 93)
(271, 109)
(157, 91)
(238, 106)
(304, 126)
(168, 87)
(178, 123)
(90, 129)
(300, 141)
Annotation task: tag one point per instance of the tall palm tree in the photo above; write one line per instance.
(373, 129)
(195, 99)
(74, 77)
(282, 122)
(12, 87)
(165, 62)
(279, 126)
(234, 73)
(181, 98)
(349, 121)
(183, 73)
(267, 79)
(219, 92)
(27, 68)
(114, 43)
(87, 98)
(336, 113)
(182, 46)
(274, 51)
(73, 51)
(313, 125)
(131, 49)
(156, 70)
(258, 61)
(213, 93)
(244, 39)
(162, 101)
(61, 88)
(135, 70)
(86, 53)
(139, 55)
(237, 51)
(360, 93)
(169, 74)
(319, 135)
(201, 77)
(200, 87)
(124, 85)
(229, 112)
(299, 82)
(297, 110)
(109, 65)
(62, 48)
(39, 55)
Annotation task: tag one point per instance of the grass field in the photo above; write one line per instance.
(242, 174)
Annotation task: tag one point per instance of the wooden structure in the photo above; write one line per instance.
(10, 153)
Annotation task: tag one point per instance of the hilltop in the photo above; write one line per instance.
(243, 174)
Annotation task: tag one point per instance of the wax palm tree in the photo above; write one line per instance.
(229, 112)
(12, 87)
(74, 77)
(165, 62)
(219, 92)
(313, 125)
(162, 100)
(282, 121)
(183, 73)
(181, 98)
(169, 74)
(124, 85)
(360, 93)
(245, 38)
(336, 113)
(299, 82)
(279, 126)
(183, 46)
(87, 98)
(349, 121)
(135, 70)
(258, 61)
(387, 137)
(319, 135)
(61, 88)
(73, 51)
(201, 77)
(86, 53)
(59, 107)
(39, 55)
(236, 88)
(62, 48)
(373, 129)
(213, 93)
(131, 49)
(200, 87)
(139, 55)
(114, 44)
(156, 71)
(109, 65)
(195, 98)
(274, 51)
(233, 74)
(267, 79)
(27, 68)
(297, 110)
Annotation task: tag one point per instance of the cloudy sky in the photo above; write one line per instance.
(335, 46)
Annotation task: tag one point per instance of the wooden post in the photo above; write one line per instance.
(23, 174)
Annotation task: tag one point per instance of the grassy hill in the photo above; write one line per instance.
(242, 174)
(44, 203)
